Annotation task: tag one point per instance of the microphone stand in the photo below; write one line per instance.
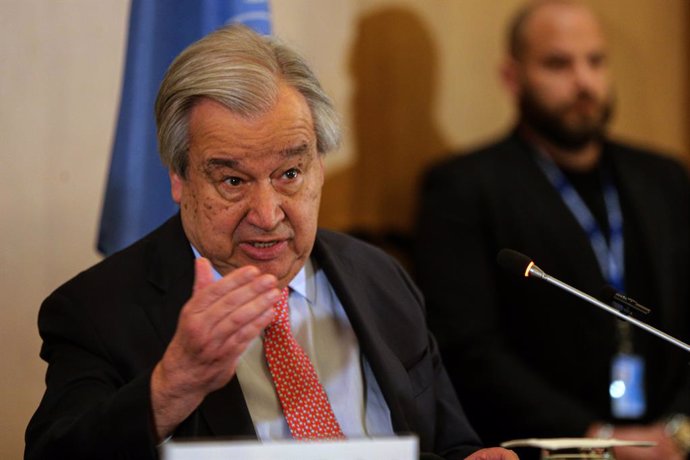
(533, 270)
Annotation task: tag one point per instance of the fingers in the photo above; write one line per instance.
(239, 303)
(215, 327)
(223, 316)
(249, 292)
(250, 309)
(237, 325)
(203, 274)
(233, 280)
(238, 341)
(207, 291)
(493, 453)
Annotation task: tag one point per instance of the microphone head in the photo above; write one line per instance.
(513, 261)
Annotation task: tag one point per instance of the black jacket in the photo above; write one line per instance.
(527, 359)
(104, 331)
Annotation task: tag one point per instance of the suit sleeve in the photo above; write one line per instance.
(88, 410)
(455, 266)
(681, 293)
(452, 425)
(454, 437)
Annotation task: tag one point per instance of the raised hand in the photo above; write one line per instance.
(215, 327)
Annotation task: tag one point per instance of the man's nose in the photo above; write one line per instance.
(265, 207)
(585, 76)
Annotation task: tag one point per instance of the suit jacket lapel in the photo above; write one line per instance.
(352, 292)
(171, 271)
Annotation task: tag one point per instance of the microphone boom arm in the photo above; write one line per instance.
(533, 270)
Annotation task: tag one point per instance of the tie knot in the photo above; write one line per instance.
(282, 312)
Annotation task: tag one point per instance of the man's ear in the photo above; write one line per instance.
(176, 186)
(510, 76)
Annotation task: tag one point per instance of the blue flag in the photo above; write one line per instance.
(137, 197)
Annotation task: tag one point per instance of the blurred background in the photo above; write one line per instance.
(414, 81)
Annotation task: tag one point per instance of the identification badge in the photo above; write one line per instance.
(627, 386)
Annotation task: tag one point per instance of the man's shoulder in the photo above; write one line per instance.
(349, 261)
(129, 267)
(470, 172)
(643, 154)
(653, 165)
(486, 156)
(348, 246)
(342, 252)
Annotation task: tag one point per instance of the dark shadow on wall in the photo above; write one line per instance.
(394, 68)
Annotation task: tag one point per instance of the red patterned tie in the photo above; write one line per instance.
(305, 404)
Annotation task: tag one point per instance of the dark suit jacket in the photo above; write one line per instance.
(522, 348)
(104, 331)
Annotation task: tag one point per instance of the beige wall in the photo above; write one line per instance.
(413, 79)
(423, 81)
(59, 82)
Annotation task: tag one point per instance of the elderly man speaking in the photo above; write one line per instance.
(238, 317)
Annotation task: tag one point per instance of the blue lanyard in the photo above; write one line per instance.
(609, 255)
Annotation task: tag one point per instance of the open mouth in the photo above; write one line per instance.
(263, 244)
(264, 250)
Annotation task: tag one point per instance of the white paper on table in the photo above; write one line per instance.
(575, 443)
(398, 448)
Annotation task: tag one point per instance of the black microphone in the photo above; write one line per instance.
(522, 265)
(617, 299)
(518, 264)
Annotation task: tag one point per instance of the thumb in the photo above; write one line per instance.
(203, 274)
